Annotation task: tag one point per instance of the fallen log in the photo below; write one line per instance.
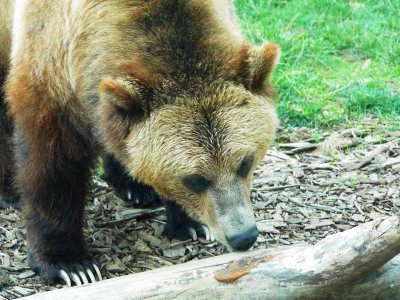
(356, 264)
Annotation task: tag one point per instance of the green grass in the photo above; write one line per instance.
(340, 59)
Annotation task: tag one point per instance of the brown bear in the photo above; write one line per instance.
(169, 92)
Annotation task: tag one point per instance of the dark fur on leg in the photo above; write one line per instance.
(178, 222)
(53, 183)
(7, 194)
(127, 188)
(53, 188)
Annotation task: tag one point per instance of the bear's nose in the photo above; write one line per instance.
(244, 240)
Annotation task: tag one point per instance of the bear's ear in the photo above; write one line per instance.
(131, 89)
(123, 94)
(254, 64)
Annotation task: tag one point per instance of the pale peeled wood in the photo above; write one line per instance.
(340, 266)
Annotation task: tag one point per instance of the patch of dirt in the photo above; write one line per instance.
(314, 185)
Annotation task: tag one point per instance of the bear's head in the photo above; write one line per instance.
(197, 146)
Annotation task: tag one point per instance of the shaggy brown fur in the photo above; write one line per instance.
(6, 156)
(169, 87)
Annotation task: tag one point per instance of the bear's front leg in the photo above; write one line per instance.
(54, 153)
(7, 194)
(52, 175)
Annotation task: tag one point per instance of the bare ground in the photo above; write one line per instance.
(310, 185)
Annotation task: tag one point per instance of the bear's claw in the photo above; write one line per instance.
(204, 231)
(97, 271)
(82, 278)
(129, 195)
(91, 275)
(76, 279)
(192, 233)
(207, 232)
(64, 276)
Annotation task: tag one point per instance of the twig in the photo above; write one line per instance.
(358, 207)
(391, 162)
(367, 159)
(172, 245)
(278, 188)
(296, 202)
(142, 213)
(324, 207)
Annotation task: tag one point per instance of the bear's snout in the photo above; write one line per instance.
(244, 240)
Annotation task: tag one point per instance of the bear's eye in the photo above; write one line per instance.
(196, 183)
(245, 166)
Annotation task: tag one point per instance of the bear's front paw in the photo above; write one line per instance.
(79, 272)
(182, 227)
(127, 188)
(137, 195)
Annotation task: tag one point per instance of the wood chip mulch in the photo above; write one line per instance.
(310, 185)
